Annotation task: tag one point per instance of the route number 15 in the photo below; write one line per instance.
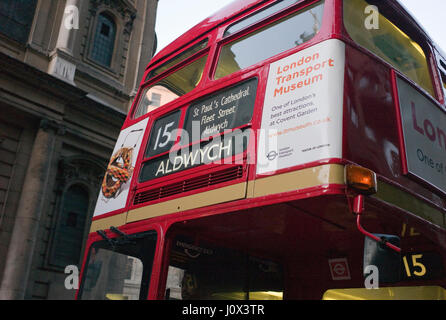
(417, 269)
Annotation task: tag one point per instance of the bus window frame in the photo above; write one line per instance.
(441, 71)
(263, 23)
(443, 84)
(171, 236)
(411, 30)
(152, 81)
(156, 263)
(173, 56)
(253, 13)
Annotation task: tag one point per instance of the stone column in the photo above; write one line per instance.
(147, 41)
(26, 225)
(69, 26)
(62, 63)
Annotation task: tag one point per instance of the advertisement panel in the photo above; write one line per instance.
(424, 135)
(116, 183)
(302, 112)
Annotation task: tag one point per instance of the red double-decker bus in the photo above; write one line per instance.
(290, 149)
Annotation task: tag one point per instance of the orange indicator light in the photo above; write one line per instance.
(361, 179)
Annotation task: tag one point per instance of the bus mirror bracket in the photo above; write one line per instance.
(358, 208)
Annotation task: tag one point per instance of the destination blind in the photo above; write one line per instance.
(226, 110)
(213, 151)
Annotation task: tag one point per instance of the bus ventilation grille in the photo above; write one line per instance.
(189, 185)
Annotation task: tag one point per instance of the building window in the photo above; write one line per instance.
(156, 99)
(16, 17)
(70, 230)
(104, 40)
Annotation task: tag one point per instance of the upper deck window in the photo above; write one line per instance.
(175, 84)
(174, 61)
(388, 42)
(256, 17)
(270, 40)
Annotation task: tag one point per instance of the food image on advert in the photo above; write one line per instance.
(116, 183)
(302, 112)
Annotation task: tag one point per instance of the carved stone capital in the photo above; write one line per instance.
(80, 169)
(129, 19)
(47, 125)
(124, 7)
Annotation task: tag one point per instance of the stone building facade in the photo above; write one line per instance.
(69, 70)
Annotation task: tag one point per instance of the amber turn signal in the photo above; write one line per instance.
(361, 179)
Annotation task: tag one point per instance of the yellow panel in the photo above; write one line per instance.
(105, 223)
(301, 179)
(250, 189)
(255, 295)
(116, 296)
(408, 202)
(203, 199)
(389, 293)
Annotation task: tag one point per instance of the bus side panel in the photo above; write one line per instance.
(371, 136)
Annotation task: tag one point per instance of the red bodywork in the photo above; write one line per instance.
(305, 228)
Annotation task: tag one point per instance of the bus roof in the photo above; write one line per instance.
(233, 9)
(420, 27)
(237, 7)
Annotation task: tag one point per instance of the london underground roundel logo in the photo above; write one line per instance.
(271, 155)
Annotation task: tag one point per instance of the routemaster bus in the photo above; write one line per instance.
(280, 149)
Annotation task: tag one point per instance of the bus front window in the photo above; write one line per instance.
(202, 272)
(120, 271)
(169, 88)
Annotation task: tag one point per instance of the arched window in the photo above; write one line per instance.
(71, 226)
(104, 40)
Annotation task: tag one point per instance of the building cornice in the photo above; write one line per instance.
(51, 85)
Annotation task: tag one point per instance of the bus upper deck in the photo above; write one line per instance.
(236, 153)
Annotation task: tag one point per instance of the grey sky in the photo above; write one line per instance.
(174, 17)
(431, 15)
